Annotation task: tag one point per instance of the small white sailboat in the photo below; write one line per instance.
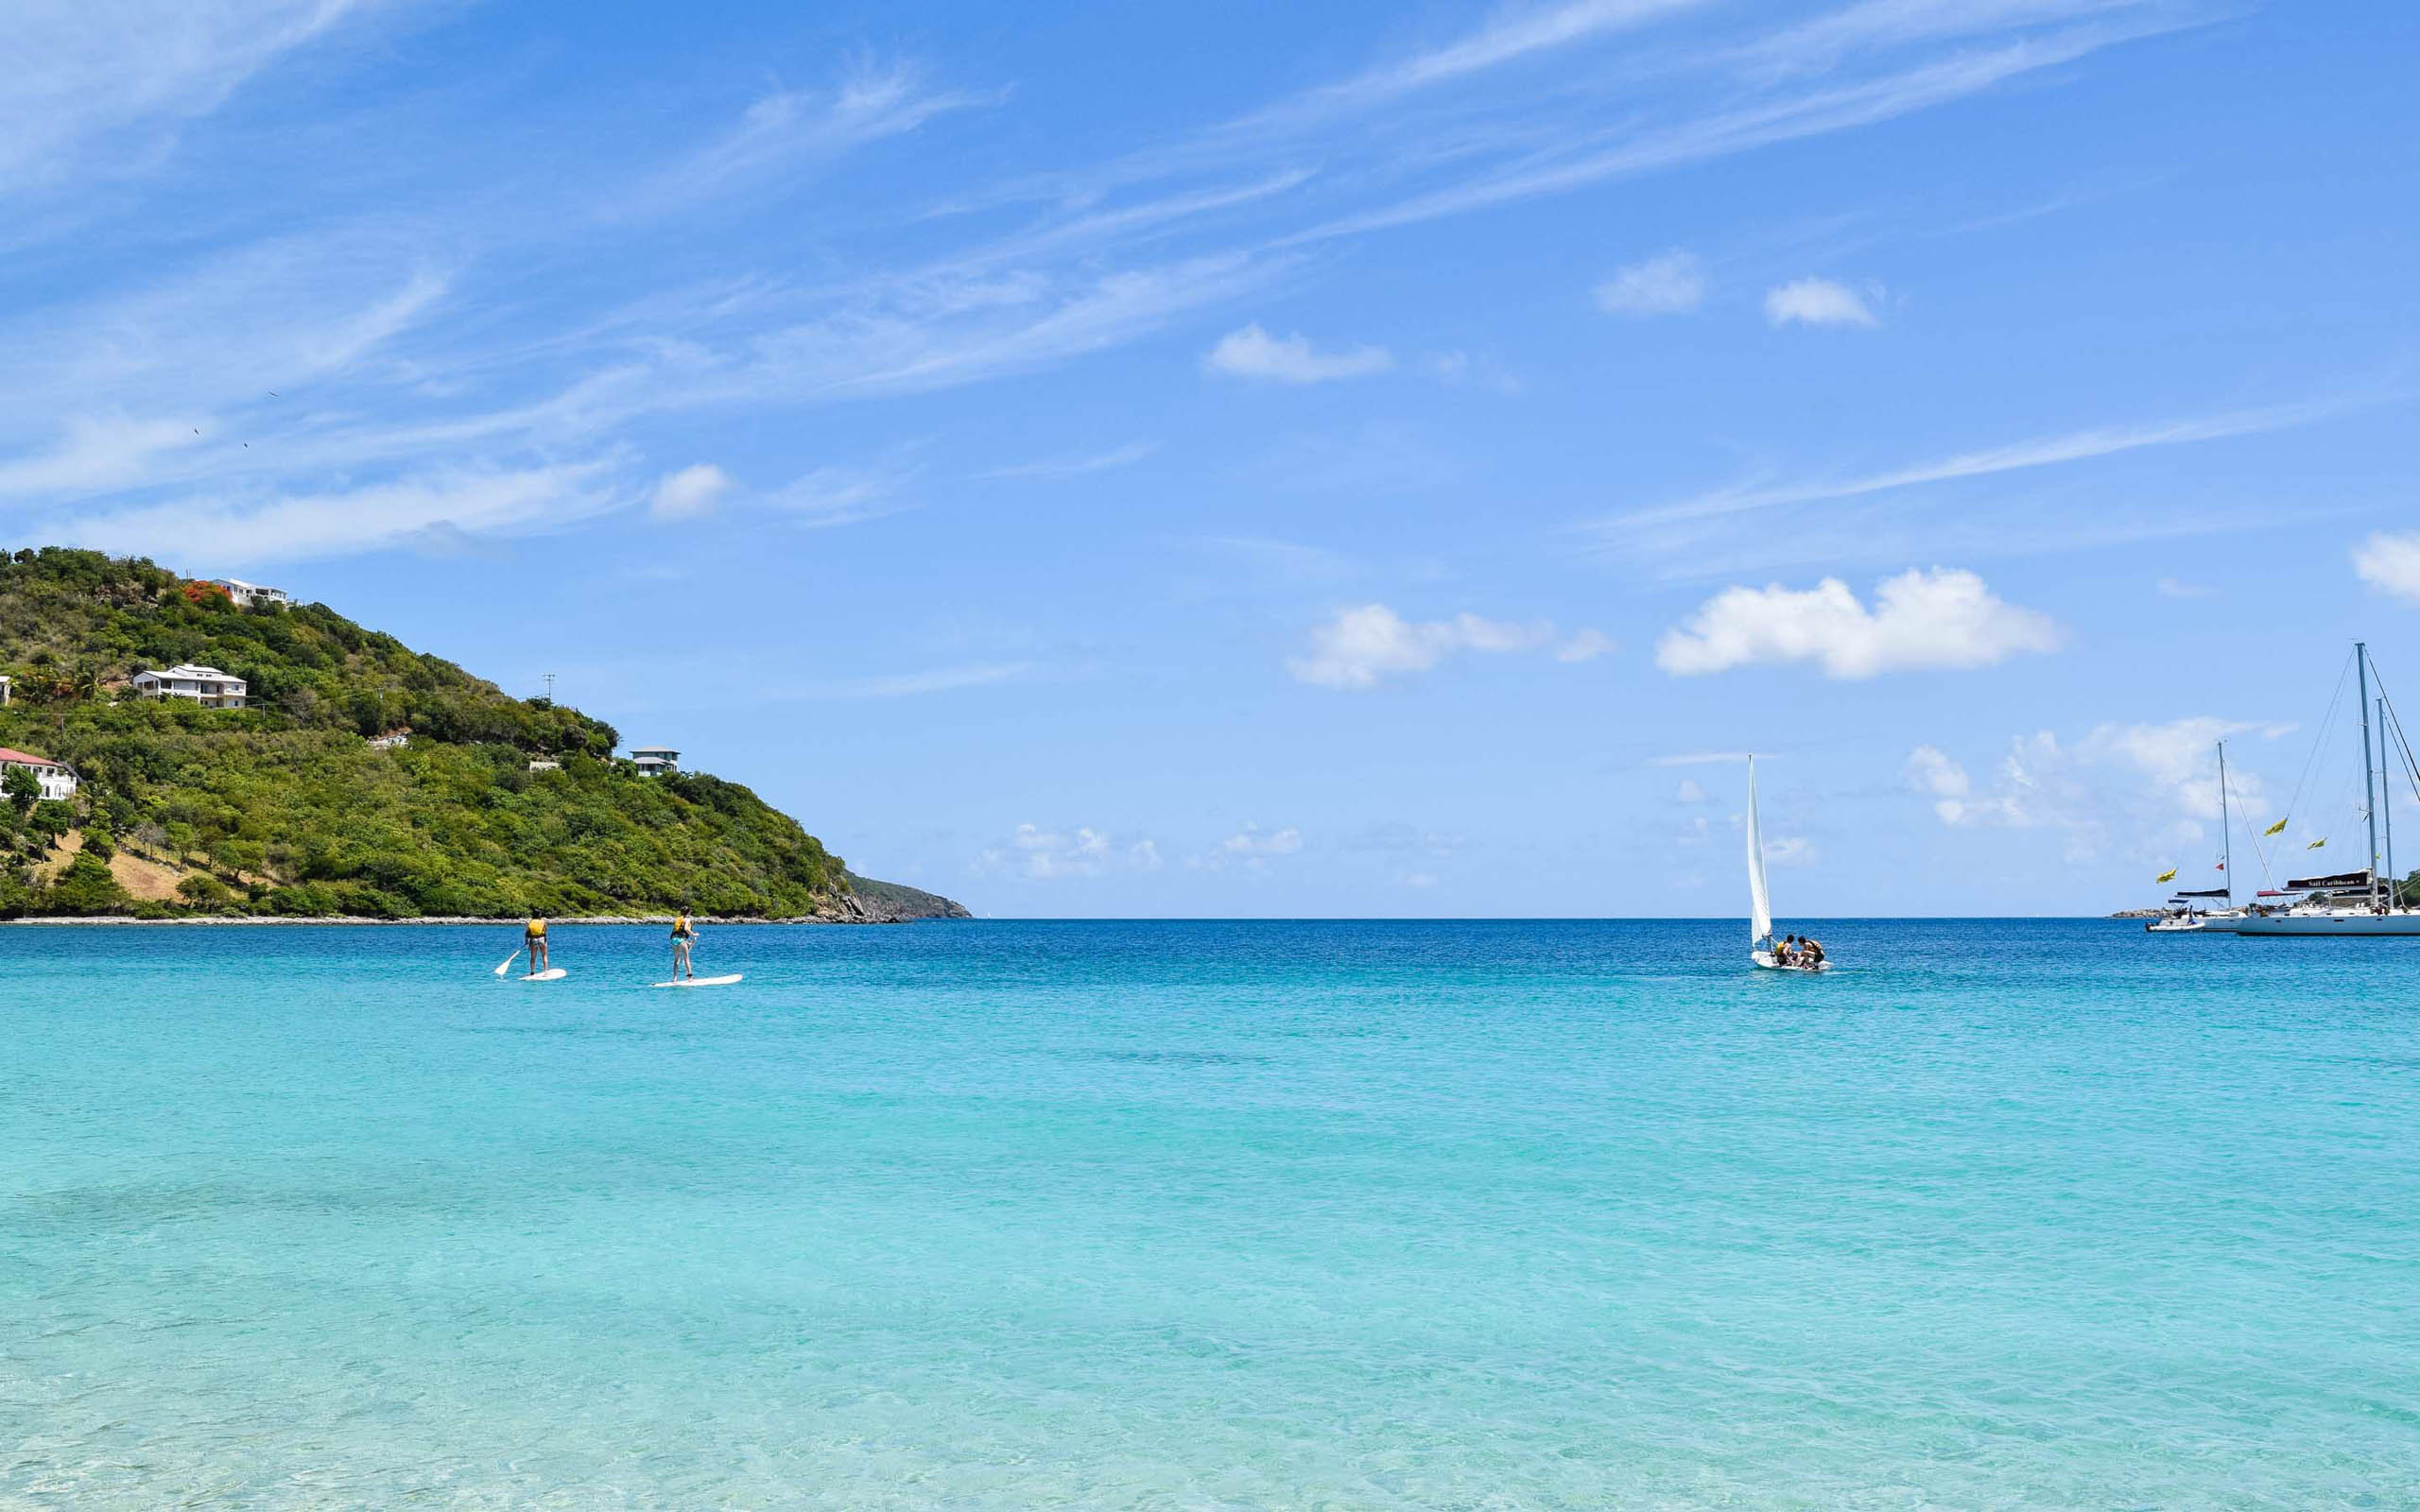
(2183, 915)
(1760, 908)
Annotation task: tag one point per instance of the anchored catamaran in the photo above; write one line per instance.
(2353, 903)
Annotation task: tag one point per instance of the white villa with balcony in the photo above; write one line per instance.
(57, 779)
(246, 595)
(655, 761)
(206, 686)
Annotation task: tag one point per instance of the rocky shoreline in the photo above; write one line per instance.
(868, 903)
(512, 920)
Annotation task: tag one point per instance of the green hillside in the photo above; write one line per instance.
(284, 808)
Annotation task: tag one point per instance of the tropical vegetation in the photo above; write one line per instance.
(286, 807)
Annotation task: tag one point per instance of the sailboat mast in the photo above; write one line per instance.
(2386, 807)
(2226, 830)
(2369, 784)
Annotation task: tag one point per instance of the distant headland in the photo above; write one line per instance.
(208, 749)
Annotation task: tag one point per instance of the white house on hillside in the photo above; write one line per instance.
(391, 739)
(206, 686)
(247, 594)
(57, 779)
(655, 761)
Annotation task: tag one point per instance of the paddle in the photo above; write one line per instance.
(507, 963)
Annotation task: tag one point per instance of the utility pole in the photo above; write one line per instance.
(550, 688)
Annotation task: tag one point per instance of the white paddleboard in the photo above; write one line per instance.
(555, 973)
(703, 981)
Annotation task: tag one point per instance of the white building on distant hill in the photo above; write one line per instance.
(206, 686)
(655, 761)
(391, 739)
(57, 779)
(247, 594)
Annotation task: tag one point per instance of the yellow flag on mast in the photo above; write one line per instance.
(2316, 843)
(2278, 828)
(2169, 875)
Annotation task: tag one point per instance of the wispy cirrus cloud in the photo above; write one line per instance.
(102, 86)
(1075, 464)
(238, 528)
(2052, 451)
(1513, 36)
(415, 367)
(1791, 113)
(913, 684)
(789, 131)
(839, 494)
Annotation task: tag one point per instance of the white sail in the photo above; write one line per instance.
(1760, 908)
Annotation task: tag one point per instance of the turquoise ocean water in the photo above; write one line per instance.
(2038, 1215)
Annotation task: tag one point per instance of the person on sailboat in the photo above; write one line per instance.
(1813, 949)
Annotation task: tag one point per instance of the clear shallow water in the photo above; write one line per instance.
(1321, 1214)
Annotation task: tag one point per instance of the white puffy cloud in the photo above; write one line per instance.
(1359, 647)
(1253, 353)
(2178, 757)
(2157, 785)
(1945, 618)
(692, 492)
(1673, 284)
(1789, 850)
(1817, 301)
(1252, 841)
(2391, 561)
(1584, 646)
(1930, 771)
(1689, 791)
(1044, 855)
(1249, 847)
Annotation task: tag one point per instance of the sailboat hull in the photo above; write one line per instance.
(1765, 959)
(2345, 921)
(2218, 921)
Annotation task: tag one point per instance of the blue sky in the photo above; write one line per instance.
(1281, 460)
